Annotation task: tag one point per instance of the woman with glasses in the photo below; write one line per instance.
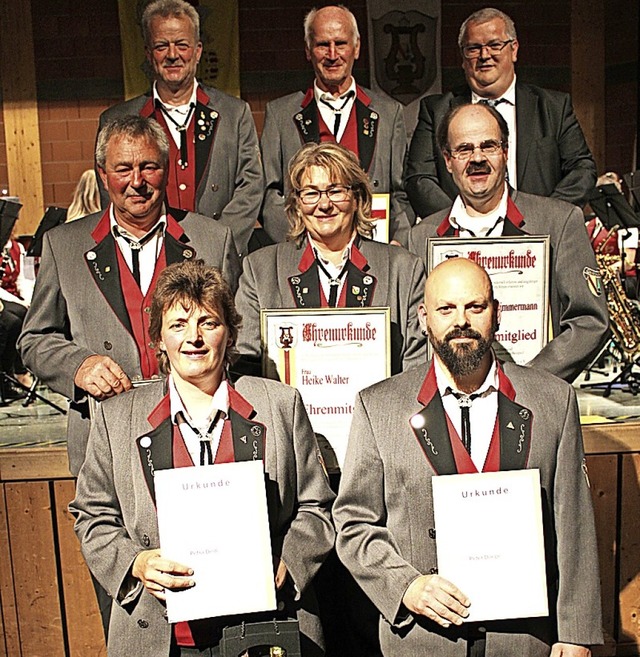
(330, 259)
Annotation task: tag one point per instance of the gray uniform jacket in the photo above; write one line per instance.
(292, 121)
(385, 522)
(552, 156)
(78, 307)
(579, 313)
(229, 180)
(273, 276)
(116, 516)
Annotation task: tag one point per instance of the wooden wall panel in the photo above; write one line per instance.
(35, 578)
(20, 110)
(630, 553)
(10, 643)
(83, 621)
(603, 473)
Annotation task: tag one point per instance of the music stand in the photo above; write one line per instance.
(633, 183)
(52, 217)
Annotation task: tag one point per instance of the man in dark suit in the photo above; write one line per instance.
(408, 429)
(86, 332)
(473, 141)
(548, 152)
(336, 109)
(215, 165)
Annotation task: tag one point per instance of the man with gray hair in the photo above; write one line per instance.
(548, 155)
(86, 334)
(335, 108)
(214, 156)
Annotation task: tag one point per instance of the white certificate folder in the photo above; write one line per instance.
(214, 519)
(490, 542)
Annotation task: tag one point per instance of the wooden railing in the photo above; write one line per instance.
(47, 600)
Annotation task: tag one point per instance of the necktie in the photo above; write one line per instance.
(135, 246)
(182, 129)
(334, 283)
(464, 401)
(337, 111)
(491, 102)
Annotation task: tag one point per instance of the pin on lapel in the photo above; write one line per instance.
(145, 442)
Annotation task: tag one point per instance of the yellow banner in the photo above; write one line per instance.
(220, 63)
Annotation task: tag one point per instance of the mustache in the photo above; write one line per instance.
(463, 333)
(478, 167)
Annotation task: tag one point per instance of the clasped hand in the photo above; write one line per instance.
(437, 599)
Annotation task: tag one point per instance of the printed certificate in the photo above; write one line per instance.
(490, 543)
(519, 271)
(329, 355)
(214, 519)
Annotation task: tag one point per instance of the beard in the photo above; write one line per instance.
(463, 359)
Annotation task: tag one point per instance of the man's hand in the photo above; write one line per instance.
(101, 377)
(437, 599)
(569, 650)
(281, 574)
(158, 574)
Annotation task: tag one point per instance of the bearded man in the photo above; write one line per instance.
(465, 412)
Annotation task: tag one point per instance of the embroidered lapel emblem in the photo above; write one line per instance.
(594, 281)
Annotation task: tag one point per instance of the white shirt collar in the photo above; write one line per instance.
(509, 95)
(445, 382)
(485, 225)
(219, 402)
(117, 230)
(179, 109)
(329, 98)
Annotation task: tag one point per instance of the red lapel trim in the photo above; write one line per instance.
(504, 384)
(160, 413)
(429, 387)
(174, 228)
(513, 214)
(462, 458)
(362, 96)
(148, 108)
(357, 257)
(308, 97)
(308, 258)
(445, 226)
(239, 404)
(492, 460)
(102, 227)
(202, 96)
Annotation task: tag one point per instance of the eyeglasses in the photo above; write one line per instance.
(465, 151)
(335, 194)
(494, 48)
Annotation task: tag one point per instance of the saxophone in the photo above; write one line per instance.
(623, 313)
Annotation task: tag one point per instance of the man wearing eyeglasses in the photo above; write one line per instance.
(548, 154)
(474, 142)
(335, 109)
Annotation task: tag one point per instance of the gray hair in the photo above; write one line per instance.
(132, 127)
(167, 8)
(484, 16)
(310, 17)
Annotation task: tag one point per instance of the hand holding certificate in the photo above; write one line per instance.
(490, 541)
(214, 520)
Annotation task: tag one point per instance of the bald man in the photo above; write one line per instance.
(384, 510)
